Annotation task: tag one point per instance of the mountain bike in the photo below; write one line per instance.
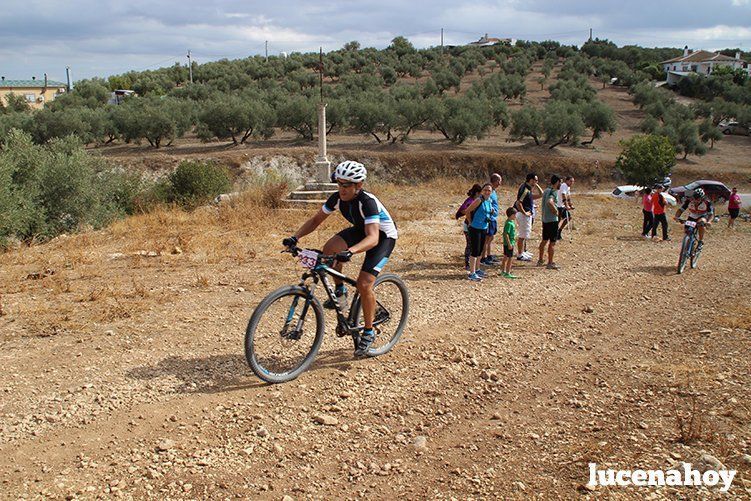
(280, 345)
(690, 248)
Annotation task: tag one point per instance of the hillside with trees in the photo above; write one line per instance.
(528, 101)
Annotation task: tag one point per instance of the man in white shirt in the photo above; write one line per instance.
(564, 203)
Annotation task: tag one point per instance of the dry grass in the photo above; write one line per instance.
(116, 274)
(691, 417)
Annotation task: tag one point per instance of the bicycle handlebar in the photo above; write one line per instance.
(698, 223)
(326, 259)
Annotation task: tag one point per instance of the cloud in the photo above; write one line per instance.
(106, 37)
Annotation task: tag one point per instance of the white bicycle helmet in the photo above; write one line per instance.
(351, 171)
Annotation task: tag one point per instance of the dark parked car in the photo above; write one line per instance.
(715, 190)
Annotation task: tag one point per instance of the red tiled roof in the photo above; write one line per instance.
(700, 56)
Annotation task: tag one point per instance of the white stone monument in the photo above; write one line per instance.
(322, 165)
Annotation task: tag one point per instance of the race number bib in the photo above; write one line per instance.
(308, 258)
(691, 224)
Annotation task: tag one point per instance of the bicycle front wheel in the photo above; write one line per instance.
(685, 251)
(284, 335)
(392, 310)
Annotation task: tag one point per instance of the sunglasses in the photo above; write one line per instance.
(344, 184)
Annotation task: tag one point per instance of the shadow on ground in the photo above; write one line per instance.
(223, 373)
(655, 270)
(209, 374)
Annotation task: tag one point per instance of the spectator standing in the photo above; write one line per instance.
(487, 258)
(472, 194)
(509, 239)
(550, 222)
(479, 214)
(564, 203)
(658, 209)
(528, 192)
(646, 209)
(734, 207)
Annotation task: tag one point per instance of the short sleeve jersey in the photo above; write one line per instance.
(524, 195)
(494, 200)
(364, 209)
(698, 208)
(735, 202)
(548, 216)
(565, 190)
(510, 229)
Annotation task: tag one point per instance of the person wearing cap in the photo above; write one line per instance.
(658, 209)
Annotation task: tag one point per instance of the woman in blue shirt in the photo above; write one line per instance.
(478, 216)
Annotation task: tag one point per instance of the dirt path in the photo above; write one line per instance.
(124, 375)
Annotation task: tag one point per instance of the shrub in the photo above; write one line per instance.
(645, 159)
(194, 183)
(54, 188)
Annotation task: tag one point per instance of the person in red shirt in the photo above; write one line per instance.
(658, 209)
(646, 209)
(734, 207)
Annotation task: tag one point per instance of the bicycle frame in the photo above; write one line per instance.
(319, 273)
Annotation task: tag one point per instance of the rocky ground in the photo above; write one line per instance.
(123, 370)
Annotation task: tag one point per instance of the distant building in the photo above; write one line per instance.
(701, 62)
(486, 40)
(118, 96)
(35, 92)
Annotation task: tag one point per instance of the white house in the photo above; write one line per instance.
(701, 62)
(486, 40)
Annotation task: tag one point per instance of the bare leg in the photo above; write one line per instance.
(365, 283)
(551, 252)
(334, 245)
(473, 264)
(542, 249)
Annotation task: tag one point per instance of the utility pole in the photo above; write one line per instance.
(441, 41)
(266, 44)
(190, 67)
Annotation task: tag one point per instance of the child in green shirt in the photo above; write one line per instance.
(509, 241)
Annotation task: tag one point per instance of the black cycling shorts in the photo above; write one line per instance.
(734, 213)
(563, 213)
(377, 257)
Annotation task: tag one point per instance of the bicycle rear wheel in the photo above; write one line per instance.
(392, 310)
(696, 253)
(685, 250)
(282, 340)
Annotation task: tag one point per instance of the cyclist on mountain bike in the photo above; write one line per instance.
(372, 231)
(700, 210)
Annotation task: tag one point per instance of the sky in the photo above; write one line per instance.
(104, 37)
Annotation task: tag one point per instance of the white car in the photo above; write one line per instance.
(629, 191)
(732, 127)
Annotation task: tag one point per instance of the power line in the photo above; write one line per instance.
(171, 58)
